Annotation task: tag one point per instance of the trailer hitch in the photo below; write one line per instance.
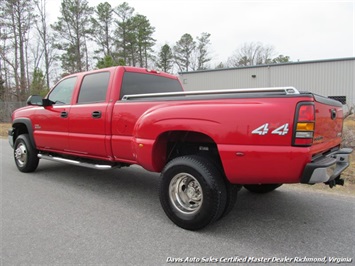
(337, 181)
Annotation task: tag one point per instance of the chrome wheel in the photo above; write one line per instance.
(25, 154)
(21, 154)
(192, 192)
(185, 193)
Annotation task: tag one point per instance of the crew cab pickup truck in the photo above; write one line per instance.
(205, 144)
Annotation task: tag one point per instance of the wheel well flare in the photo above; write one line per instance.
(172, 144)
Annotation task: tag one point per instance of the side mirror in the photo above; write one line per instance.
(39, 101)
(47, 102)
(35, 100)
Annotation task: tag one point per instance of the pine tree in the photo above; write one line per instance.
(183, 51)
(72, 31)
(38, 85)
(102, 27)
(122, 31)
(165, 60)
(202, 50)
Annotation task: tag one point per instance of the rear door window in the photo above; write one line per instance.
(94, 88)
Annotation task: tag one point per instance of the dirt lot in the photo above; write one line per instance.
(348, 175)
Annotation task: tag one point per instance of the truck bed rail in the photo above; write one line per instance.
(275, 90)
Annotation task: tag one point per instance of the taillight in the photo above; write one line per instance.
(304, 124)
(306, 112)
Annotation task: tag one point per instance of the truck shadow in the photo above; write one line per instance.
(285, 219)
(290, 221)
(132, 185)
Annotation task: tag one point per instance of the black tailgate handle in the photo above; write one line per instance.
(333, 113)
(96, 114)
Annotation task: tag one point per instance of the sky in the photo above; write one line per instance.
(303, 30)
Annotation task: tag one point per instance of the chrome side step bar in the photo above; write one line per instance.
(77, 163)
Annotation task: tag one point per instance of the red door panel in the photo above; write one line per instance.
(87, 132)
(51, 127)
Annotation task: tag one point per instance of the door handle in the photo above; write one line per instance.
(96, 114)
(64, 114)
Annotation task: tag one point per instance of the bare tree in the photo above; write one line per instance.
(250, 54)
(16, 19)
(45, 37)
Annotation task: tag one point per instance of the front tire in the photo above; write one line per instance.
(25, 154)
(263, 188)
(192, 192)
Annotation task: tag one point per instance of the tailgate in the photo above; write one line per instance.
(329, 123)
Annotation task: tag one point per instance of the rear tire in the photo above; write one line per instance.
(25, 154)
(232, 195)
(192, 192)
(263, 188)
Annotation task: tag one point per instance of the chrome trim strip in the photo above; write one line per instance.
(283, 90)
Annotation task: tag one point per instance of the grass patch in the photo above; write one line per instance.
(4, 127)
(349, 141)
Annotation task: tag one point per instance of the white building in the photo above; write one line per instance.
(332, 78)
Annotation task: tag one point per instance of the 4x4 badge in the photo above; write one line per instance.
(264, 129)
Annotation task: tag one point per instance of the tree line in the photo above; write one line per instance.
(34, 53)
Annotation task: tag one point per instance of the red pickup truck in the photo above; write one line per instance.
(205, 144)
